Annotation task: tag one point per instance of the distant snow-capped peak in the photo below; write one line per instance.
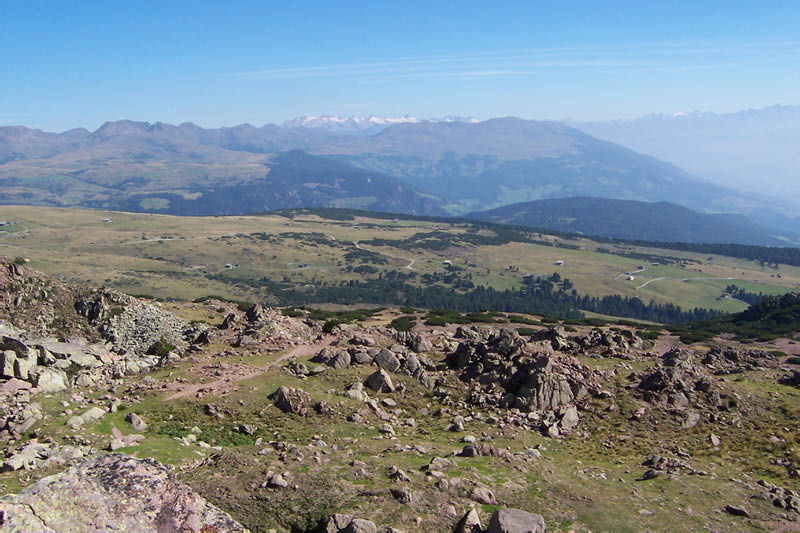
(362, 125)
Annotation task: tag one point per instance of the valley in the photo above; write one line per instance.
(186, 257)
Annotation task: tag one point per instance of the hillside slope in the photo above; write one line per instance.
(460, 166)
(634, 220)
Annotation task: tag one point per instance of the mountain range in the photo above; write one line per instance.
(355, 125)
(747, 149)
(425, 167)
(634, 220)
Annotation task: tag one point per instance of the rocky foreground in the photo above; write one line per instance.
(283, 423)
(112, 492)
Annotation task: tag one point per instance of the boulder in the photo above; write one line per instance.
(112, 492)
(470, 523)
(23, 368)
(356, 392)
(387, 360)
(483, 495)
(515, 521)
(92, 415)
(136, 422)
(7, 359)
(291, 400)
(338, 522)
(361, 526)
(50, 380)
(340, 360)
(403, 495)
(361, 357)
(380, 381)
(420, 344)
(547, 390)
(362, 340)
(569, 418)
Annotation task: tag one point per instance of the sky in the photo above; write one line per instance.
(79, 64)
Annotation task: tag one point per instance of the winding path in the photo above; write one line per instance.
(646, 283)
(225, 381)
(409, 266)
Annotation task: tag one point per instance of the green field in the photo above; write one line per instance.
(186, 257)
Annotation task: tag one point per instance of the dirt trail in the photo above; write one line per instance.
(409, 266)
(239, 373)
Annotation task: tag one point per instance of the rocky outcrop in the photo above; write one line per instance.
(132, 325)
(35, 454)
(269, 324)
(614, 342)
(678, 382)
(728, 360)
(49, 365)
(415, 341)
(112, 492)
(394, 359)
(532, 382)
(508, 372)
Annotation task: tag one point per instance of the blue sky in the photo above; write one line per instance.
(70, 64)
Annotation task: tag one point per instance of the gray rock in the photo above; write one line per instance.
(50, 380)
(403, 495)
(380, 381)
(92, 415)
(420, 344)
(690, 420)
(736, 511)
(356, 392)
(569, 418)
(278, 482)
(23, 368)
(27, 457)
(470, 523)
(7, 358)
(515, 521)
(340, 360)
(387, 360)
(411, 365)
(290, 400)
(360, 526)
(338, 522)
(298, 368)
(136, 422)
(484, 496)
(362, 357)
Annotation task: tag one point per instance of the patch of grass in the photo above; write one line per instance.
(161, 348)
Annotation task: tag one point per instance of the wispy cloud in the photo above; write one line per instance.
(631, 57)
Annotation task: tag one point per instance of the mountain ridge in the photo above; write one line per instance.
(459, 166)
(634, 220)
